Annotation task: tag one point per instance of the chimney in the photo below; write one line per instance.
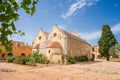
(75, 33)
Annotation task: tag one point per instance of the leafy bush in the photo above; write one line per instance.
(10, 58)
(83, 58)
(32, 61)
(45, 60)
(71, 60)
(21, 59)
(114, 51)
(37, 58)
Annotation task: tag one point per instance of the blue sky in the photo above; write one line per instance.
(84, 16)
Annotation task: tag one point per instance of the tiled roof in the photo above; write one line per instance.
(37, 46)
(54, 44)
(71, 36)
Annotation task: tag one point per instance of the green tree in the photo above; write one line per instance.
(9, 14)
(106, 41)
(115, 50)
(112, 51)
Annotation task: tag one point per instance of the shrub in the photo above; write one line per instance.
(83, 58)
(32, 61)
(10, 58)
(21, 59)
(39, 58)
(45, 60)
(71, 60)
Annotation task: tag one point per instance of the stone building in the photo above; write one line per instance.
(18, 48)
(95, 51)
(60, 42)
(21, 47)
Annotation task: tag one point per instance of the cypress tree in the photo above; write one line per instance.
(106, 41)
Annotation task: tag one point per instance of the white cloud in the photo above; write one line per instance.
(116, 28)
(116, 5)
(96, 35)
(90, 36)
(78, 5)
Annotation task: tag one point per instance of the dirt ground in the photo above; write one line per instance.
(98, 70)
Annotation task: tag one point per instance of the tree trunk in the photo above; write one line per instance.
(108, 58)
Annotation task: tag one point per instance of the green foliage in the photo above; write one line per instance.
(71, 60)
(9, 15)
(112, 51)
(115, 50)
(0, 51)
(83, 58)
(21, 59)
(32, 61)
(117, 47)
(37, 58)
(106, 41)
(10, 58)
(45, 60)
(29, 6)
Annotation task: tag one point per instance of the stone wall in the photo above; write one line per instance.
(95, 51)
(77, 48)
(17, 49)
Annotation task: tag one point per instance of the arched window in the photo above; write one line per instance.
(40, 37)
(55, 34)
(48, 51)
(93, 49)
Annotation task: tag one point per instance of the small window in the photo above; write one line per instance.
(93, 49)
(18, 44)
(49, 51)
(40, 37)
(55, 34)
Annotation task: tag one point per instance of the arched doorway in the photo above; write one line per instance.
(23, 54)
(93, 57)
(9, 54)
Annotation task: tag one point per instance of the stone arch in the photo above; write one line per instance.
(9, 54)
(93, 57)
(23, 54)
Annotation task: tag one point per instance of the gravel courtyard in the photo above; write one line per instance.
(98, 70)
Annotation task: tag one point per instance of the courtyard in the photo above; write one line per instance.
(97, 70)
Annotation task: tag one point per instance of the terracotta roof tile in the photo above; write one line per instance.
(54, 44)
(71, 36)
(37, 46)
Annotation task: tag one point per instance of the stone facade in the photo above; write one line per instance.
(95, 51)
(20, 47)
(61, 42)
(17, 49)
